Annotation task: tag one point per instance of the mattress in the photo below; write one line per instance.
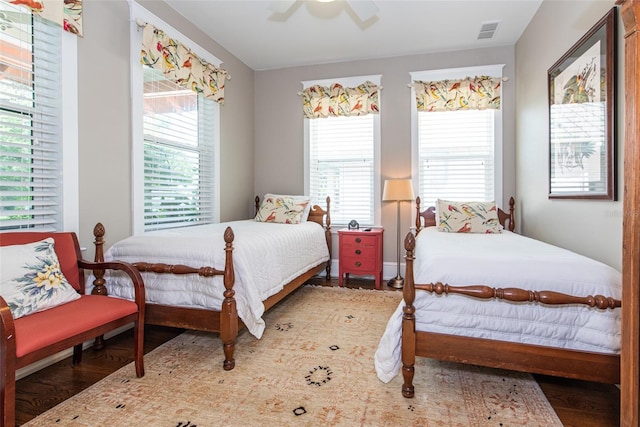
(506, 260)
(266, 256)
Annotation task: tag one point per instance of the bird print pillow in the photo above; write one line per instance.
(467, 217)
(281, 209)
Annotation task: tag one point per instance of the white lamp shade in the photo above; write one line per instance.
(397, 189)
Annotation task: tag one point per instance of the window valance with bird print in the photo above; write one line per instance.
(337, 100)
(68, 14)
(471, 93)
(180, 65)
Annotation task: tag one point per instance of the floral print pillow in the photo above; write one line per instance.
(31, 279)
(281, 209)
(468, 217)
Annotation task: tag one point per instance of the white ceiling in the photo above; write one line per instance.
(311, 32)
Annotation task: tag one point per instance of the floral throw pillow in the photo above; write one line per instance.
(31, 279)
(468, 217)
(281, 209)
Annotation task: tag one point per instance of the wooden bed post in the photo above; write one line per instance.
(229, 315)
(503, 217)
(99, 287)
(630, 356)
(512, 224)
(418, 221)
(408, 319)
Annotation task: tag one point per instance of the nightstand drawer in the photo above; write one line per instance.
(359, 251)
(353, 241)
(358, 263)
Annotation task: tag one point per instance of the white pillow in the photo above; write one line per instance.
(305, 212)
(31, 279)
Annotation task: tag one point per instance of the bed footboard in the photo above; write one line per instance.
(227, 322)
(515, 356)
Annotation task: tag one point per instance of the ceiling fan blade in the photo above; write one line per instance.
(365, 9)
(280, 6)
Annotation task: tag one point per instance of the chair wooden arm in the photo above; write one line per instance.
(125, 267)
(6, 322)
(7, 346)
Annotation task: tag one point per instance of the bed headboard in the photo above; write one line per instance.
(316, 214)
(427, 218)
(321, 216)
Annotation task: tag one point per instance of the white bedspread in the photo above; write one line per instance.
(506, 260)
(266, 256)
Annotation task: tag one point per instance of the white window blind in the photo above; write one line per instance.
(179, 151)
(30, 122)
(456, 155)
(341, 166)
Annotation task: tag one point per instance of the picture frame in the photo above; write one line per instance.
(582, 99)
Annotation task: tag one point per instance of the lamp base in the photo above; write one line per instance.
(397, 282)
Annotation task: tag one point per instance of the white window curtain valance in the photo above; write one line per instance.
(67, 14)
(337, 100)
(181, 65)
(471, 93)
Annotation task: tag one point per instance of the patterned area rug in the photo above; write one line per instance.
(313, 366)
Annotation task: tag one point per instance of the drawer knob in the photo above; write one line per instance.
(358, 263)
(358, 240)
(358, 251)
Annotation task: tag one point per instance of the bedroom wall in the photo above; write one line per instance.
(592, 228)
(279, 131)
(105, 120)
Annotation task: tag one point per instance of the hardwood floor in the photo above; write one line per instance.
(577, 403)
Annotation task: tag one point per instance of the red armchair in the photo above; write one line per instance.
(38, 335)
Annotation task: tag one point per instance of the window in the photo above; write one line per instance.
(456, 160)
(342, 161)
(457, 154)
(178, 155)
(38, 166)
(175, 142)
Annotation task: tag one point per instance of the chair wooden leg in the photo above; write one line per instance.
(8, 397)
(77, 354)
(138, 348)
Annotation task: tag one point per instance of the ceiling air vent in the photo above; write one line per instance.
(488, 29)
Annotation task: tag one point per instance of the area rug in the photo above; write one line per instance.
(313, 366)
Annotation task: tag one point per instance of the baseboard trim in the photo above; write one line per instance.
(389, 269)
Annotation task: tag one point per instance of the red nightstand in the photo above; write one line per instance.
(360, 252)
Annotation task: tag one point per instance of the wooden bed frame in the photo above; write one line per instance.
(226, 321)
(589, 366)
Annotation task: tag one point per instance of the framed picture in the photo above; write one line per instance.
(582, 143)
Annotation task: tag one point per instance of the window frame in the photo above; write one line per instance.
(139, 13)
(377, 189)
(70, 132)
(450, 74)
